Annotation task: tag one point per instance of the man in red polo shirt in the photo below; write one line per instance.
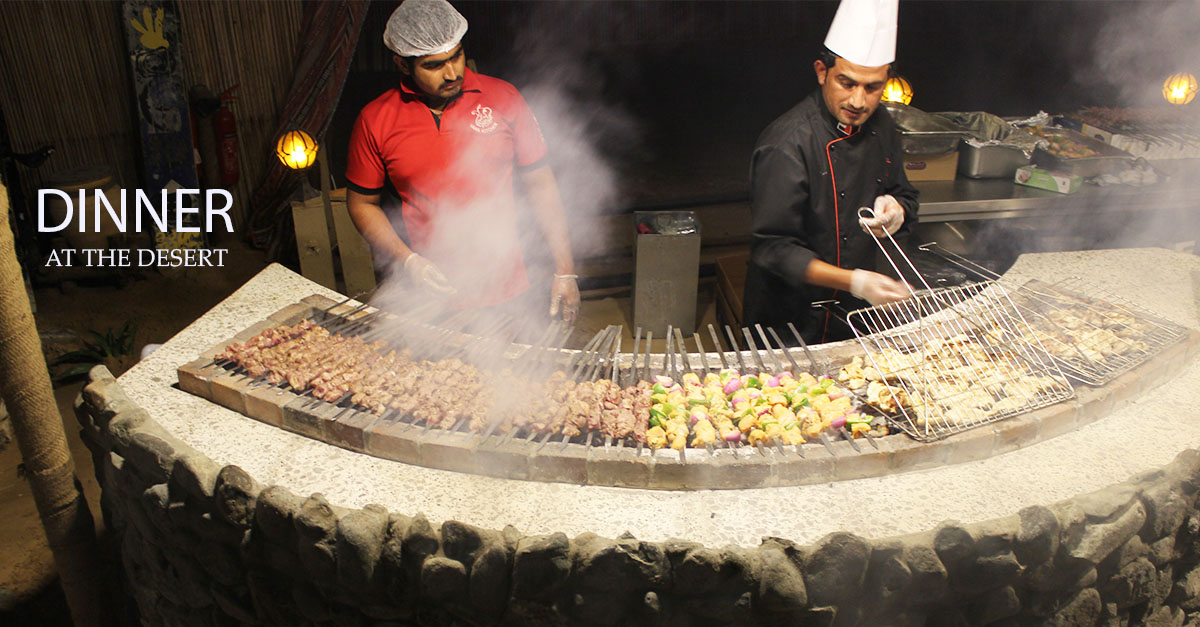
(449, 141)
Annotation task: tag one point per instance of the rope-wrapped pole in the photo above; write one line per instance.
(37, 425)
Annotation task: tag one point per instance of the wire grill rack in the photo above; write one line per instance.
(953, 359)
(1094, 336)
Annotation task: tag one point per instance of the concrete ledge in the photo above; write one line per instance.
(192, 533)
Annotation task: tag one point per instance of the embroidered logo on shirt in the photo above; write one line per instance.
(483, 119)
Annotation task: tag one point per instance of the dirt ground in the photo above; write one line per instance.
(160, 305)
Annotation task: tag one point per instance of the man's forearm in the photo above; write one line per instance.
(542, 190)
(370, 220)
(827, 275)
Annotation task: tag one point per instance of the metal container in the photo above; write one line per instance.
(666, 256)
(1110, 160)
(990, 161)
(929, 142)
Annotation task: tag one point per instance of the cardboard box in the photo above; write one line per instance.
(931, 167)
(1042, 178)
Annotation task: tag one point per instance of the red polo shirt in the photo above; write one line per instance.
(455, 179)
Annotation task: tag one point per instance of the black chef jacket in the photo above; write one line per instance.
(799, 215)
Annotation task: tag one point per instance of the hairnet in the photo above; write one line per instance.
(419, 28)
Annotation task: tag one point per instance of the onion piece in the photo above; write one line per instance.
(734, 384)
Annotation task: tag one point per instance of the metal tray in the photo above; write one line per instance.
(993, 161)
(929, 142)
(1111, 160)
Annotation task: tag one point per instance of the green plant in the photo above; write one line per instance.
(112, 345)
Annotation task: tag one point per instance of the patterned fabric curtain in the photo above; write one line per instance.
(325, 49)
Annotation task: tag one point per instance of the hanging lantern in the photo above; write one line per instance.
(897, 90)
(296, 149)
(1180, 88)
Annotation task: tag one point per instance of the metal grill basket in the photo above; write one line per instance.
(956, 358)
(1094, 336)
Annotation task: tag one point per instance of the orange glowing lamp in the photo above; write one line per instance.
(296, 149)
(1180, 88)
(897, 90)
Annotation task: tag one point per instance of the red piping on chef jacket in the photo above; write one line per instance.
(837, 226)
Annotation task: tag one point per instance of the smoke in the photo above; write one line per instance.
(587, 132)
(1139, 44)
(1120, 60)
(480, 230)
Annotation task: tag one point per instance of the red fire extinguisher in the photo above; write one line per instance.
(225, 127)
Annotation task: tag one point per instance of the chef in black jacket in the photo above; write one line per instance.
(811, 171)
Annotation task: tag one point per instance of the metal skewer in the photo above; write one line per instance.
(717, 347)
(703, 355)
(786, 352)
(770, 351)
(683, 350)
(669, 355)
(633, 366)
(737, 351)
(647, 374)
(753, 349)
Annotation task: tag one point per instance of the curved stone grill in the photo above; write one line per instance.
(586, 459)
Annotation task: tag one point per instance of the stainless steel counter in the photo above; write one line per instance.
(984, 199)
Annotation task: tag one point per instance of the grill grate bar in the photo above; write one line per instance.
(593, 371)
(736, 351)
(683, 353)
(753, 348)
(577, 362)
(784, 349)
(703, 356)
(717, 346)
(343, 320)
(849, 438)
(648, 374)
(823, 367)
(325, 313)
(523, 367)
(770, 349)
(616, 358)
(633, 368)
(669, 356)
(824, 439)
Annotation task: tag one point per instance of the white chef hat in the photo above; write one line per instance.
(419, 28)
(864, 32)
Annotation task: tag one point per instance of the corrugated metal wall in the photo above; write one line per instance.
(64, 79)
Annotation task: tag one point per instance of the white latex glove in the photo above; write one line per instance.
(422, 272)
(889, 216)
(876, 288)
(564, 293)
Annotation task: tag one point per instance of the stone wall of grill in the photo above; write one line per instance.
(204, 544)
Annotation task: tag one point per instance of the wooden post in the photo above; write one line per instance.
(358, 269)
(38, 427)
(312, 241)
